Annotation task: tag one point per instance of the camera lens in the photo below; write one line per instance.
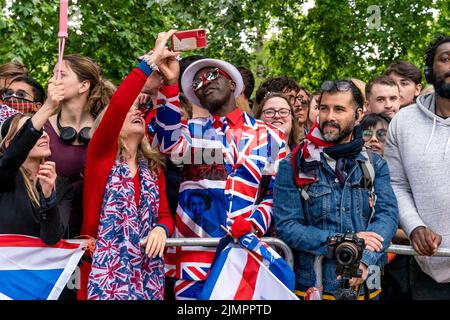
(346, 253)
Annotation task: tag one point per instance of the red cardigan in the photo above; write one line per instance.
(100, 159)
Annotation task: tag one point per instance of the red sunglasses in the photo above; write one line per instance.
(211, 75)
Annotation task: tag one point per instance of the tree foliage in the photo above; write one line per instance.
(347, 39)
(333, 39)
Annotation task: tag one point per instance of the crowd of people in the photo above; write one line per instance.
(181, 149)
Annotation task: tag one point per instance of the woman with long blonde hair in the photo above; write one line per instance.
(33, 200)
(123, 194)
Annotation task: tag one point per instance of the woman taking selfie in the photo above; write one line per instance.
(123, 196)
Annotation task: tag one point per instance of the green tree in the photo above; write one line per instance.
(115, 32)
(351, 39)
(334, 39)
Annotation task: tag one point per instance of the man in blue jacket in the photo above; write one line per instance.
(332, 185)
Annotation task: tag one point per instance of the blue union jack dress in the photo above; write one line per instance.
(120, 270)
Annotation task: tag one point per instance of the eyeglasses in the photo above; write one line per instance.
(270, 113)
(380, 134)
(19, 94)
(208, 76)
(340, 85)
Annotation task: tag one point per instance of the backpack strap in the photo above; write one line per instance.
(368, 168)
(369, 178)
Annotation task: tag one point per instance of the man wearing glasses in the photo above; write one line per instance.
(300, 105)
(229, 155)
(24, 94)
(322, 190)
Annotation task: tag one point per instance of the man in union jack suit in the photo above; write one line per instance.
(228, 164)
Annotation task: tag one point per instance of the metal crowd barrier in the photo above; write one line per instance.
(213, 242)
(287, 252)
(395, 248)
(409, 251)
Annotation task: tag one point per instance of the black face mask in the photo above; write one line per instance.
(68, 134)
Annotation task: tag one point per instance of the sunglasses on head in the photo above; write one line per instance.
(340, 85)
(380, 134)
(211, 75)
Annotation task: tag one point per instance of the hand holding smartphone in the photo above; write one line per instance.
(188, 40)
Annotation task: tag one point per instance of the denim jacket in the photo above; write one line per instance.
(306, 225)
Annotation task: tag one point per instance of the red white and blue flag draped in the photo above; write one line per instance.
(249, 270)
(32, 270)
(6, 112)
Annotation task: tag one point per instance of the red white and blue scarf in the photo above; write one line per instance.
(305, 158)
(120, 270)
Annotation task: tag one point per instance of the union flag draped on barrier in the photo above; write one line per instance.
(32, 270)
(250, 270)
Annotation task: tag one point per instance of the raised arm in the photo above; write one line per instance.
(172, 137)
(104, 140)
(262, 213)
(17, 149)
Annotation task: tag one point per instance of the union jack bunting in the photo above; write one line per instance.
(222, 166)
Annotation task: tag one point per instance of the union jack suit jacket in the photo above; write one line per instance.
(222, 164)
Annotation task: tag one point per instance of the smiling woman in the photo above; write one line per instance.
(124, 201)
(33, 200)
(276, 109)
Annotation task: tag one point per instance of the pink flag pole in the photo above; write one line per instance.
(62, 34)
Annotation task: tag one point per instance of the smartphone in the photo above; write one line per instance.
(188, 40)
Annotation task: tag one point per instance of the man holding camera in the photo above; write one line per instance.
(418, 153)
(331, 193)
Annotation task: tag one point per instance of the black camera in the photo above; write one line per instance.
(347, 249)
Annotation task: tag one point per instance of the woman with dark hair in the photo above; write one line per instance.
(276, 109)
(313, 109)
(374, 127)
(33, 200)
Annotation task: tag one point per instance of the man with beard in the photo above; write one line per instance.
(228, 155)
(418, 153)
(322, 190)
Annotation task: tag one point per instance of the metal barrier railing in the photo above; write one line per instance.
(395, 248)
(408, 250)
(287, 252)
(213, 242)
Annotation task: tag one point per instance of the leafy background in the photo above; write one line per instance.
(332, 39)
